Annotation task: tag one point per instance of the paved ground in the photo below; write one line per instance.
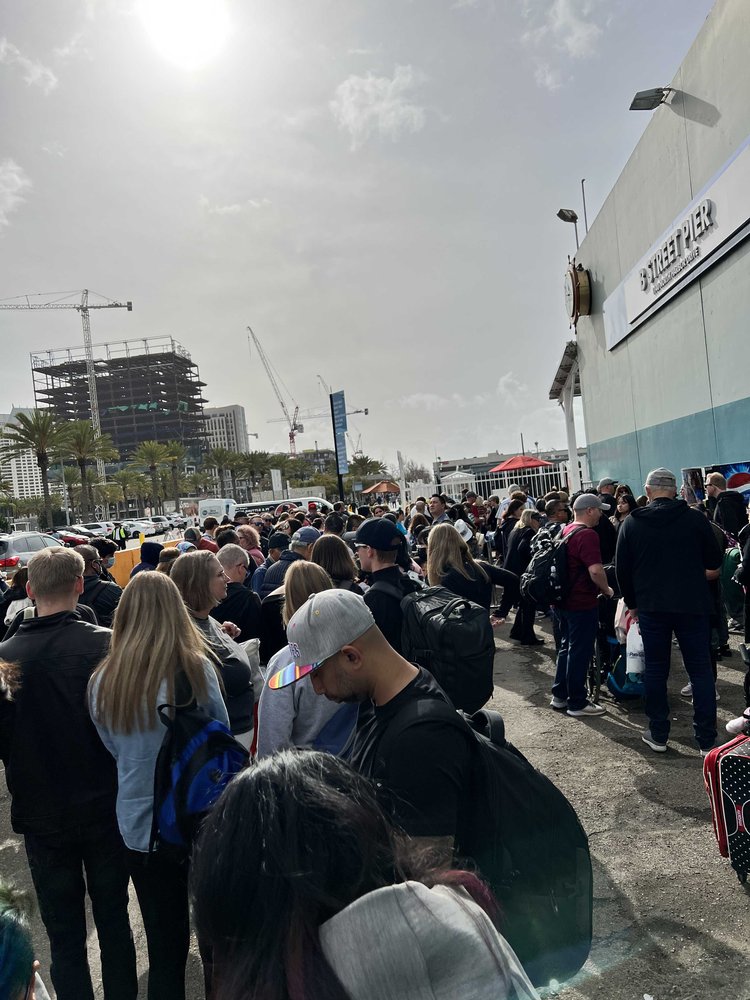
(671, 918)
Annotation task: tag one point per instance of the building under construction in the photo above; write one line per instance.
(148, 390)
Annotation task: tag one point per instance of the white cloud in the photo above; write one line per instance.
(34, 73)
(74, 49)
(235, 208)
(509, 389)
(13, 182)
(547, 77)
(367, 104)
(572, 26)
(55, 149)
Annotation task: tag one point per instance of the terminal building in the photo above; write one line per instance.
(659, 292)
(148, 390)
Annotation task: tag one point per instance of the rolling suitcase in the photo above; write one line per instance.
(726, 774)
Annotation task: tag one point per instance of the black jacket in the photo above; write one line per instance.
(663, 552)
(518, 551)
(386, 610)
(242, 607)
(103, 597)
(58, 771)
(730, 512)
(275, 575)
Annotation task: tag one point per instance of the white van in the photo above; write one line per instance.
(217, 507)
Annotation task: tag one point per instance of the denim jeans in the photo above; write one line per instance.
(693, 634)
(577, 637)
(57, 862)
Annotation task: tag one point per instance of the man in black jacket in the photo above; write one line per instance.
(729, 507)
(666, 554)
(101, 595)
(63, 783)
(300, 547)
(378, 543)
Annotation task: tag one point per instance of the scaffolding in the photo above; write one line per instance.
(147, 390)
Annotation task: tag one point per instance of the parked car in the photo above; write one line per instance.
(138, 527)
(79, 529)
(18, 548)
(98, 528)
(162, 523)
(177, 520)
(69, 537)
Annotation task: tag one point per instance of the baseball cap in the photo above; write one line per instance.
(661, 479)
(463, 529)
(379, 533)
(279, 540)
(185, 546)
(587, 501)
(607, 482)
(306, 535)
(325, 622)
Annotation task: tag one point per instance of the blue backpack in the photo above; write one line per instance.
(197, 760)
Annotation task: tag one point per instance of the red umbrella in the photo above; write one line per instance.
(521, 462)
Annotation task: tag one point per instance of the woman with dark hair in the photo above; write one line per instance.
(625, 504)
(508, 521)
(301, 888)
(517, 559)
(335, 556)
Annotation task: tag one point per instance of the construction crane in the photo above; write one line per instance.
(83, 308)
(295, 427)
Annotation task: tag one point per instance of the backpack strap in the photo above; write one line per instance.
(382, 587)
(416, 711)
(92, 594)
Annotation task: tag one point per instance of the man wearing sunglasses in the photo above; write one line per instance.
(101, 595)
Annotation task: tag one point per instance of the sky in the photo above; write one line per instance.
(371, 185)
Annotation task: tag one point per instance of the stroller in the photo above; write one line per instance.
(609, 660)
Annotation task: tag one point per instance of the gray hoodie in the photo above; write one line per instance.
(415, 943)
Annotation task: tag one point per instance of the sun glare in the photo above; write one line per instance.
(188, 33)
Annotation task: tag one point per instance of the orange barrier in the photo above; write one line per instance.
(126, 559)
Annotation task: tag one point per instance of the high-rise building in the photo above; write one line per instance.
(21, 473)
(148, 390)
(226, 427)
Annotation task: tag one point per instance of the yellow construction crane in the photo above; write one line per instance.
(83, 308)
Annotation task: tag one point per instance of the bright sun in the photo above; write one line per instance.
(189, 33)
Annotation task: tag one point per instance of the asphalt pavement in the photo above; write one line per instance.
(670, 916)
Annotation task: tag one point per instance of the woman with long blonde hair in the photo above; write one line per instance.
(450, 564)
(154, 642)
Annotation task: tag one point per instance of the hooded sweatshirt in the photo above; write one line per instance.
(730, 512)
(415, 943)
(149, 557)
(663, 552)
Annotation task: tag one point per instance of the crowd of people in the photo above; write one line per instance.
(315, 868)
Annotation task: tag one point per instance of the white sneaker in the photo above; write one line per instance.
(687, 691)
(741, 725)
(588, 709)
(651, 742)
(559, 704)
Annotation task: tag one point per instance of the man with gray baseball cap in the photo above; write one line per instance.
(421, 771)
(579, 612)
(666, 554)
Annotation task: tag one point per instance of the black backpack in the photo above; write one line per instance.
(546, 580)
(197, 760)
(525, 840)
(452, 638)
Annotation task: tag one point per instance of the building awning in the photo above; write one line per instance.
(384, 486)
(567, 364)
(521, 462)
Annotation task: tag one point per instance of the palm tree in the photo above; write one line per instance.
(41, 433)
(236, 465)
(362, 465)
(220, 459)
(177, 456)
(84, 447)
(126, 479)
(152, 456)
(199, 483)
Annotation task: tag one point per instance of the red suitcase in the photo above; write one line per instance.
(726, 774)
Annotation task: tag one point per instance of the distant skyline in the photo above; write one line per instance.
(372, 186)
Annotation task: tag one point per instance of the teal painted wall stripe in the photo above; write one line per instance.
(677, 444)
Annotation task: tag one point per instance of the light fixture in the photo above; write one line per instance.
(649, 100)
(568, 215)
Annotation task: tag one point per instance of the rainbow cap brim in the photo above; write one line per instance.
(289, 674)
